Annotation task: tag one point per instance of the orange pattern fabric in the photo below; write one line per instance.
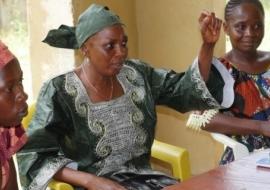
(252, 101)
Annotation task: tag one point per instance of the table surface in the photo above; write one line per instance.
(242, 174)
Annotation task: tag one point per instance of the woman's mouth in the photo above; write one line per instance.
(23, 112)
(117, 66)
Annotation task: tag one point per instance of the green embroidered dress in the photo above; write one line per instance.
(101, 138)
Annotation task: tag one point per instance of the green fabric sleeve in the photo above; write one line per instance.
(41, 157)
(184, 91)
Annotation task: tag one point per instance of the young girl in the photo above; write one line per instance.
(13, 108)
(247, 118)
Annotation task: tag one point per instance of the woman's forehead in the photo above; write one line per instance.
(246, 10)
(111, 32)
(11, 71)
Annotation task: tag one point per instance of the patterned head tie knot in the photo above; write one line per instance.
(5, 55)
(94, 19)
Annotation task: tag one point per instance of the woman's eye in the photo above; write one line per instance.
(240, 27)
(9, 89)
(257, 26)
(21, 81)
(124, 44)
(109, 46)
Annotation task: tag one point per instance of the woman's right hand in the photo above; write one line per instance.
(101, 183)
(210, 27)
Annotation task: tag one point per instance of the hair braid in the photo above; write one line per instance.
(235, 3)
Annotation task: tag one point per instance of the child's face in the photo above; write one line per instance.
(13, 106)
(245, 27)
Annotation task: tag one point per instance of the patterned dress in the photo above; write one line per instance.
(252, 101)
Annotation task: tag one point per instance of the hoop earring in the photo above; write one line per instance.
(87, 60)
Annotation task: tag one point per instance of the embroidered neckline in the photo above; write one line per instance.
(101, 95)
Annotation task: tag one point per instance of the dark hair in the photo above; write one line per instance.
(234, 3)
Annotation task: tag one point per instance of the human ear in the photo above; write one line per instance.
(225, 27)
(84, 50)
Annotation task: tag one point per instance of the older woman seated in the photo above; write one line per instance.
(101, 116)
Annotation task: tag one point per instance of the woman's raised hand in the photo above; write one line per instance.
(210, 27)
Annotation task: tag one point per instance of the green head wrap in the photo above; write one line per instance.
(91, 21)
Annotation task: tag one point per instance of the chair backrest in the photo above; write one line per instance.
(25, 122)
(31, 110)
(239, 150)
(177, 157)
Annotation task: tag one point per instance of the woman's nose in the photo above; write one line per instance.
(250, 31)
(121, 51)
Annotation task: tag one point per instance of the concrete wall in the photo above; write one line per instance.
(47, 61)
(169, 37)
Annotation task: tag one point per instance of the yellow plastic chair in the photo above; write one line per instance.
(177, 157)
(58, 185)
